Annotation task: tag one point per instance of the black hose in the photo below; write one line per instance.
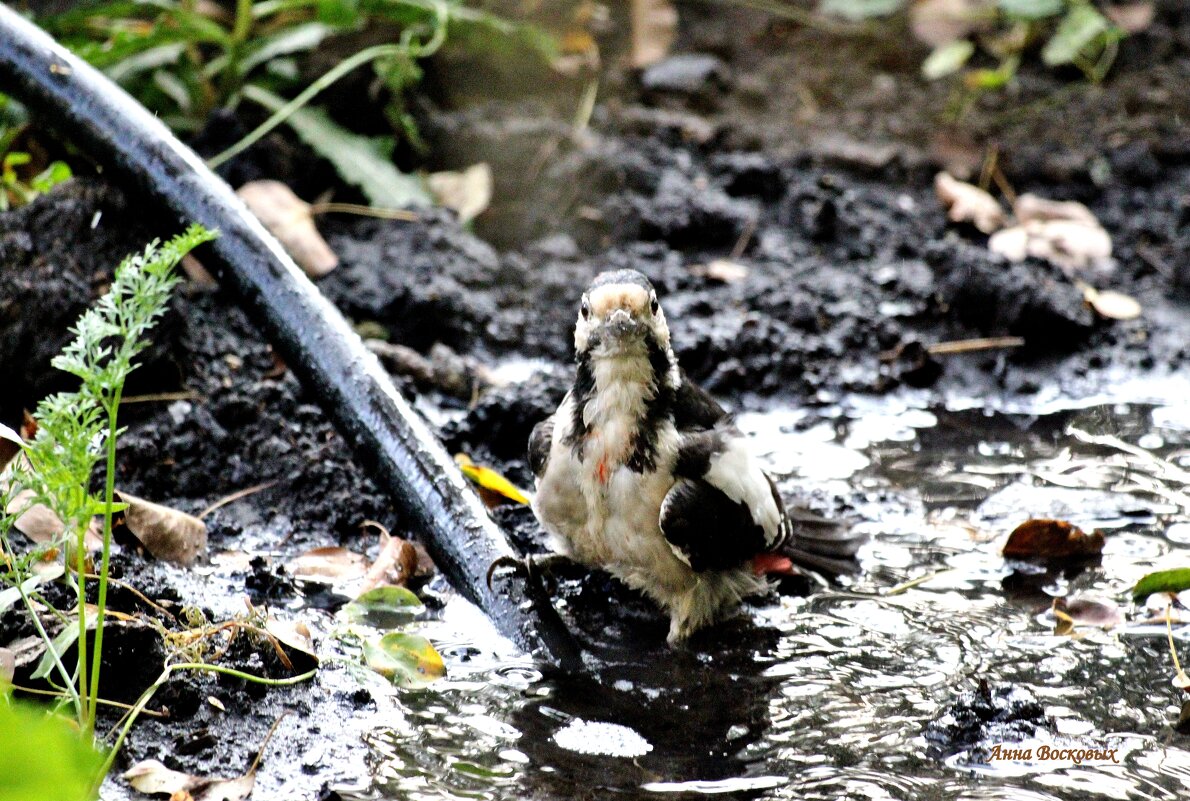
(394, 443)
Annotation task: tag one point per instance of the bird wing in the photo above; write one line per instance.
(694, 408)
(540, 443)
(723, 510)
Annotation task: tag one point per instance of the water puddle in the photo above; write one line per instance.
(830, 696)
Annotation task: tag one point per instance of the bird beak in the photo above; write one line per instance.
(621, 325)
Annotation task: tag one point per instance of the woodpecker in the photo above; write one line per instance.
(642, 474)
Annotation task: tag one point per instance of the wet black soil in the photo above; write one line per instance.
(808, 160)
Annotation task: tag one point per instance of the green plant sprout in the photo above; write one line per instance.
(183, 60)
(77, 430)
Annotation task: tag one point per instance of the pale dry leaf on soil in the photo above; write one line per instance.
(937, 22)
(654, 29)
(1029, 207)
(39, 523)
(327, 565)
(968, 203)
(167, 534)
(1067, 244)
(1131, 17)
(288, 217)
(153, 778)
(294, 635)
(468, 193)
(8, 666)
(1085, 610)
(722, 271)
(1110, 304)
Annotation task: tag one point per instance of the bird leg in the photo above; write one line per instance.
(532, 566)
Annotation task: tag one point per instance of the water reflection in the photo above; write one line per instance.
(828, 696)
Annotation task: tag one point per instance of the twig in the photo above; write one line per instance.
(160, 397)
(363, 211)
(235, 496)
(972, 345)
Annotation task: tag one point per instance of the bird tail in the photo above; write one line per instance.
(821, 544)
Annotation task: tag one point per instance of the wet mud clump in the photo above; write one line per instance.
(987, 716)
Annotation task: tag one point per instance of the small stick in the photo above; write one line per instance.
(235, 496)
(159, 397)
(363, 211)
(972, 345)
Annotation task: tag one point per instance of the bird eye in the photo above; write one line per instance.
(585, 309)
(654, 307)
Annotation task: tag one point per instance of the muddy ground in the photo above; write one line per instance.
(807, 158)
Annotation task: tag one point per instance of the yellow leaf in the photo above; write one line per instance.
(489, 479)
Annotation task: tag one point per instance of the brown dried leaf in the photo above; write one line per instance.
(1110, 304)
(167, 534)
(153, 778)
(41, 525)
(1085, 611)
(10, 445)
(968, 203)
(937, 22)
(1041, 538)
(395, 564)
(327, 565)
(288, 218)
(468, 193)
(654, 29)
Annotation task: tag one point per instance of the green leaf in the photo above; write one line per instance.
(362, 161)
(1162, 581)
(858, 10)
(384, 607)
(51, 176)
(947, 59)
(1031, 9)
(298, 39)
(44, 757)
(1079, 29)
(340, 13)
(408, 660)
(60, 645)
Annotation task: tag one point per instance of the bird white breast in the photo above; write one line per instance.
(602, 513)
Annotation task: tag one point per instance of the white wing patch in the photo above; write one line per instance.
(738, 475)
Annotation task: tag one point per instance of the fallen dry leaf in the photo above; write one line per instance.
(10, 445)
(654, 29)
(395, 564)
(937, 22)
(295, 636)
(167, 534)
(154, 778)
(723, 271)
(1041, 538)
(1131, 17)
(1067, 244)
(1085, 611)
(968, 203)
(468, 193)
(1110, 304)
(327, 565)
(1029, 207)
(39, 523)
(288, 218)
(8, 666)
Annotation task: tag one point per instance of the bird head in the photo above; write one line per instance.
(619, 314)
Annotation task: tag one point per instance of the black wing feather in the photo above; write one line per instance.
(710, 530)
(694, 408)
